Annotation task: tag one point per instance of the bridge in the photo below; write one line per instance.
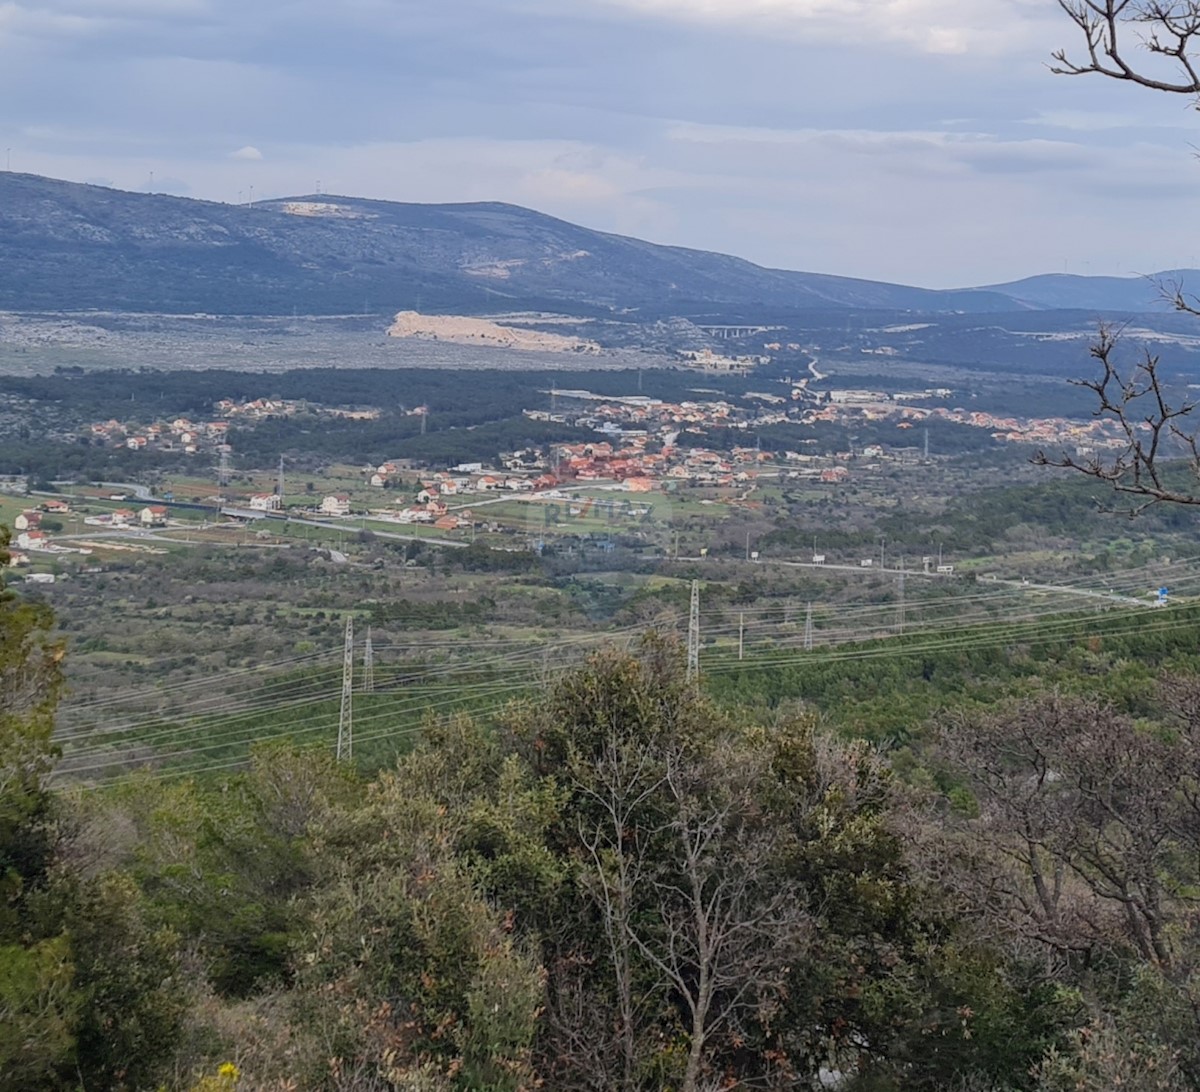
(731, 333)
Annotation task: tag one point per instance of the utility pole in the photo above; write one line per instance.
(808, 629)
(345, 740)
(368, 665)
(900, 592)
(747, 545)
(693, 646)
(222, 476)
(741, 635)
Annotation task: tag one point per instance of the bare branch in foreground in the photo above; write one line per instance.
(1153, 429)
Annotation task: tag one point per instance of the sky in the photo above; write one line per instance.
(917, 141)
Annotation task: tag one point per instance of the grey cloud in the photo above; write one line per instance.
(579, 111)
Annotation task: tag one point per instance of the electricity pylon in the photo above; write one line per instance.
(693, 646)
(345, 740)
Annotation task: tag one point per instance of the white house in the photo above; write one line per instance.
(153, 515)
(28, 521)
(33, 540)
(265, 502)
(336, 504)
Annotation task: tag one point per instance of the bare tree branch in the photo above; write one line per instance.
(1152, 427)
(1167, 29)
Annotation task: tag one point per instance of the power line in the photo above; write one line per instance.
(368, 665)
(493, 694)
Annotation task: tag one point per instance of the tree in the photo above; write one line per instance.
(1153, 44)
(1088, 828)
(1152, 422)
(1167, 29)
(30, 681)
(406, 973)
(88, 990)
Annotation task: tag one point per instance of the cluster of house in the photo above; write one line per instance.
(191, 437)
(718, 362)
(853, 405)
(30, 534)
(258, 409)
(635, 414)
(153, 515)
(33, 535)
(262, 408)
(429, 509)
(641, 470)
(180, 434)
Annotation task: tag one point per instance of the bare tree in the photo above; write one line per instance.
(1153, 44)
(1166, 29)
(1088, 832)
(1152, 425)
(727, 924)
(620, 782)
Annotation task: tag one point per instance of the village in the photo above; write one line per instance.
(643, 448)
(193, 437)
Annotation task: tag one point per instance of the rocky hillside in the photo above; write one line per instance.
(65, 246)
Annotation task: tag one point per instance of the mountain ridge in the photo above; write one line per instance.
(75, 246)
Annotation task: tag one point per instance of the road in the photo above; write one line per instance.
(345, 527)
(1085, 593)
(1019, 585)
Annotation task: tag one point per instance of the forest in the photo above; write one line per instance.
(626, 879)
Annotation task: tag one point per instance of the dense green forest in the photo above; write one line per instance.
(628, 881)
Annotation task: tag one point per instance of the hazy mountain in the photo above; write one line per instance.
(70, 246)
(1072, 292)
(66, 246)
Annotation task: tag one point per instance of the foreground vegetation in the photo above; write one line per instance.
(622, 883)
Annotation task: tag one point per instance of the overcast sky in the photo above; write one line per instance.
(920, 141)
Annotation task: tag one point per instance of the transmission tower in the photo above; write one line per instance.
(368, 665)
(808, 629)
(693, 647)
(279, 482)
(222, 474)
(345, 740)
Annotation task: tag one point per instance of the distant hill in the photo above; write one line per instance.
(65, 246)
(1056, 291)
